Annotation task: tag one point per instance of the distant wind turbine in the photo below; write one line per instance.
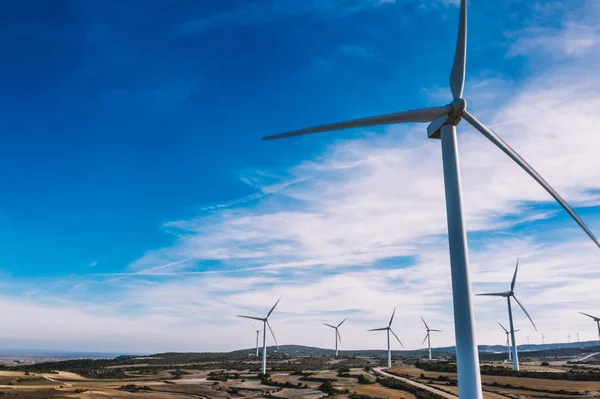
(569, 336)
(507, 340)
(577, 337)
(596, 319)
(389, 330)
(337, 334)
(257, 334)
(508, 295)
(543, 339)
(527, 340)
(428, 337)
(266, 324)
(443, 121)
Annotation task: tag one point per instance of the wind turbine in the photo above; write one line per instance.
(389, 330)
(569, 336)
(507, 340)
(428, 337)
(257, 334)
(596, 319)
(337, 334)
(508, 295)
(266, 324)
(543, 339)
(527, 339)
(443, 121)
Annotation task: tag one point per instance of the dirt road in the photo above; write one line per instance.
(416, 384)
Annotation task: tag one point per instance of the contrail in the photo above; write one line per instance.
(148, 270)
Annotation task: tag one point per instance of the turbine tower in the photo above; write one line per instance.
(543, 339)
(507, 341)
(266, 324)
(569, 336)
(596, 319)
(428, 337)
(443, 121)
(337, 334)
(389, 330)
(528, 339)
(257, 334)
(508, 295)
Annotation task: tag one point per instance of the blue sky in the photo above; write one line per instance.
(139, 198)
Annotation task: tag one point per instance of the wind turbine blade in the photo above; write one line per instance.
(505, 330)
(415, 115)
(426, 326)
(523, 307)
(512, 284)
(517, 330)
(494, 138)
(342, 322)
(250, 317)
(273, 308)
(253, 326)
(436, 330)
(272, 333)
(493, 294)
(392, 318)
(379, 329)
(457, 76)
(392, 331)
(589, 315)
(338, 335)
(425, 339)
(329, 325)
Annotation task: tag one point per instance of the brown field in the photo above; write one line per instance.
(554, 385)
(382, 392)
(194, 384)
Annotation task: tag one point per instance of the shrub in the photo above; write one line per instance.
(327, 387)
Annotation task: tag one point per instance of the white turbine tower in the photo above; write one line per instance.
(337, 334)
(569, 336)
(257, 334)
(508, 295)
(266, 324)
(543, 339)
(428, 337)
(527, 339)
(389, 330)
(596, 319)
(507, 341)
(443, 121)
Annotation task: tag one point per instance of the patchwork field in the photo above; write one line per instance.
(178, 376)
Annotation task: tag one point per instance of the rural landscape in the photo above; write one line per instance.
(298, 372)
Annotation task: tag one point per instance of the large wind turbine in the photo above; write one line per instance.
(428, 336)
(507, 340)
(596, 319)
(389, 330)
(257, 334)
(443, 121)
(337, 334)
(266, 324)
(508, 295)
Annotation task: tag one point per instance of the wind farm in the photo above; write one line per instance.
(168, 185)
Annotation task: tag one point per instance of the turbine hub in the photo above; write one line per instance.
(458, 105)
